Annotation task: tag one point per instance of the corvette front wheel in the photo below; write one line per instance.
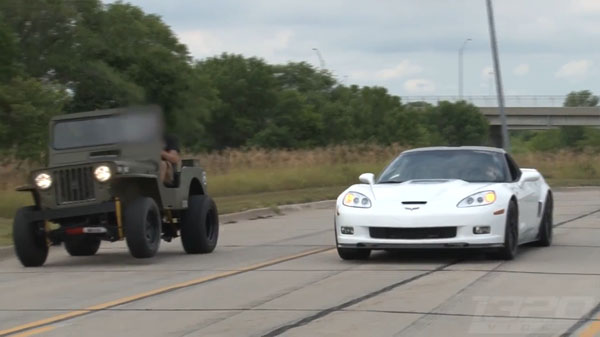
(354, 253)
(546, 225)
(511, 234)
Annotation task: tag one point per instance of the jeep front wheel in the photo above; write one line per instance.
(29, 238)
(142, 224)
(200, 225)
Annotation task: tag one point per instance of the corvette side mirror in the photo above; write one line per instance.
(367, 178)
(530, 176)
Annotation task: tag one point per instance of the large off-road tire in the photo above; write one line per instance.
(200, 225)
(143, 227)
(29, 239)
(354, 253)
(511, 234)
(547, 223)
(82, 245)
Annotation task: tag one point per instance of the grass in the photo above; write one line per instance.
(245, 179)
(238, 203)
(10, 200)
(5, 232)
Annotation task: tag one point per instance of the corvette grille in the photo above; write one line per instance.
(412, 233)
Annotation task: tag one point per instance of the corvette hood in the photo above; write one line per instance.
(422, 191)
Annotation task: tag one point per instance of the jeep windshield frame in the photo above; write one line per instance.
(102, 130)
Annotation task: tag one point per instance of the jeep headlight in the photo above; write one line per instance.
(355, 199)
(478, 199)
(43, 181)
(102, 173)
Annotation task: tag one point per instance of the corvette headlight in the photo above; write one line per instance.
(102, 173)
(478, 199)
(43, 181)
(355, 199)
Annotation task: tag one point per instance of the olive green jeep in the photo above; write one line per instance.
(102, 183)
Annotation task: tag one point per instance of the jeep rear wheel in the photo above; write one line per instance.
(142, 224)
(29, 238)
(82, 245)
(200, 225)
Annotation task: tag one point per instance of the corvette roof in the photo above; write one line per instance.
(454, 148)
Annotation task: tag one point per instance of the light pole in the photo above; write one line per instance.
(321, 60)
(499, 90)
(460, 68)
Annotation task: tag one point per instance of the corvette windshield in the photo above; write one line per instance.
(468, 165)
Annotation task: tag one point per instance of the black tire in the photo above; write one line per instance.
(82, 245)
(547, 224)
(200, 225)
(354, 253)
(29, 239)
(142, 224)
(511, 234)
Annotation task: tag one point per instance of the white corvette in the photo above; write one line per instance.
(445, 197)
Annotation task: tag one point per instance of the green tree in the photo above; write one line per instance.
(581, 98)
(369, 107)
(9, 65)
(26, 106)
(247, 91)
(573, 136)
(294, 124)
(459, 123)
(407, 126)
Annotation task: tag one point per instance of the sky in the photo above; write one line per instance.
(547, 47)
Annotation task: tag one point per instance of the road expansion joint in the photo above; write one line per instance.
(456, 294)
(589, 317)
(152, 293)
(255, 307)
(354, 301)
(576, 218)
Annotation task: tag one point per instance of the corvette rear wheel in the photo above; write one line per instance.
(547, 224)
(354, 253)
(511, 234)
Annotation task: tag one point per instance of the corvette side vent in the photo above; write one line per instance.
(414, 202)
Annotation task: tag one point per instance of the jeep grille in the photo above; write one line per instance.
(74, 185)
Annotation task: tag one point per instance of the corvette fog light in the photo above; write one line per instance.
(481, 230)
(347, 230)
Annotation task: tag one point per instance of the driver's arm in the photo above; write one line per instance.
(171, 156)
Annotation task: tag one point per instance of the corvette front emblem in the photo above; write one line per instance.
(411, 208)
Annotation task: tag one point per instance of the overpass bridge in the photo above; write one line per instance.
(518, 118)
(544, 118)
(524, 112)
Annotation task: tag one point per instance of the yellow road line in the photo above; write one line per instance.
(155, 292)
(35, 331)
(591, 331)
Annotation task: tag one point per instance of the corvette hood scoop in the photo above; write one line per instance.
(423, 192)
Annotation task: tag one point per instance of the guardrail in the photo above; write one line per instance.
(491, 101)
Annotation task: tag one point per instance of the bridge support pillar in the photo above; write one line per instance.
(495, 136)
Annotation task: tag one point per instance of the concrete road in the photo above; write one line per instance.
(281, 277)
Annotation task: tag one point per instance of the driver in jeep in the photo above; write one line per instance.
(170, 159)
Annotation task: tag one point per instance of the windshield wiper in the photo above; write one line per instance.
(391, 182)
